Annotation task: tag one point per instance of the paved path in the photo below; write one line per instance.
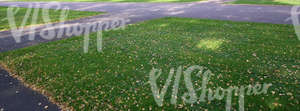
(27, 99)
(15, 97)
(212, 9)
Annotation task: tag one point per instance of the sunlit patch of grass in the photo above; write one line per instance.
(238, 53)
(164, 25)
(211, 44)
(273, 103)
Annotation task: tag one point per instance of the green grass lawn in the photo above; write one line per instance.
(116, 0)
(238, 53)
(271, 2)
(53, 14)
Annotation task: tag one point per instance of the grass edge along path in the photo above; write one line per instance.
(61, 106)
(238, 53)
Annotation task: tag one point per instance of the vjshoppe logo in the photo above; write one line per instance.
(56, 31)
(206, 94)
(31, 16)
(295, 13)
